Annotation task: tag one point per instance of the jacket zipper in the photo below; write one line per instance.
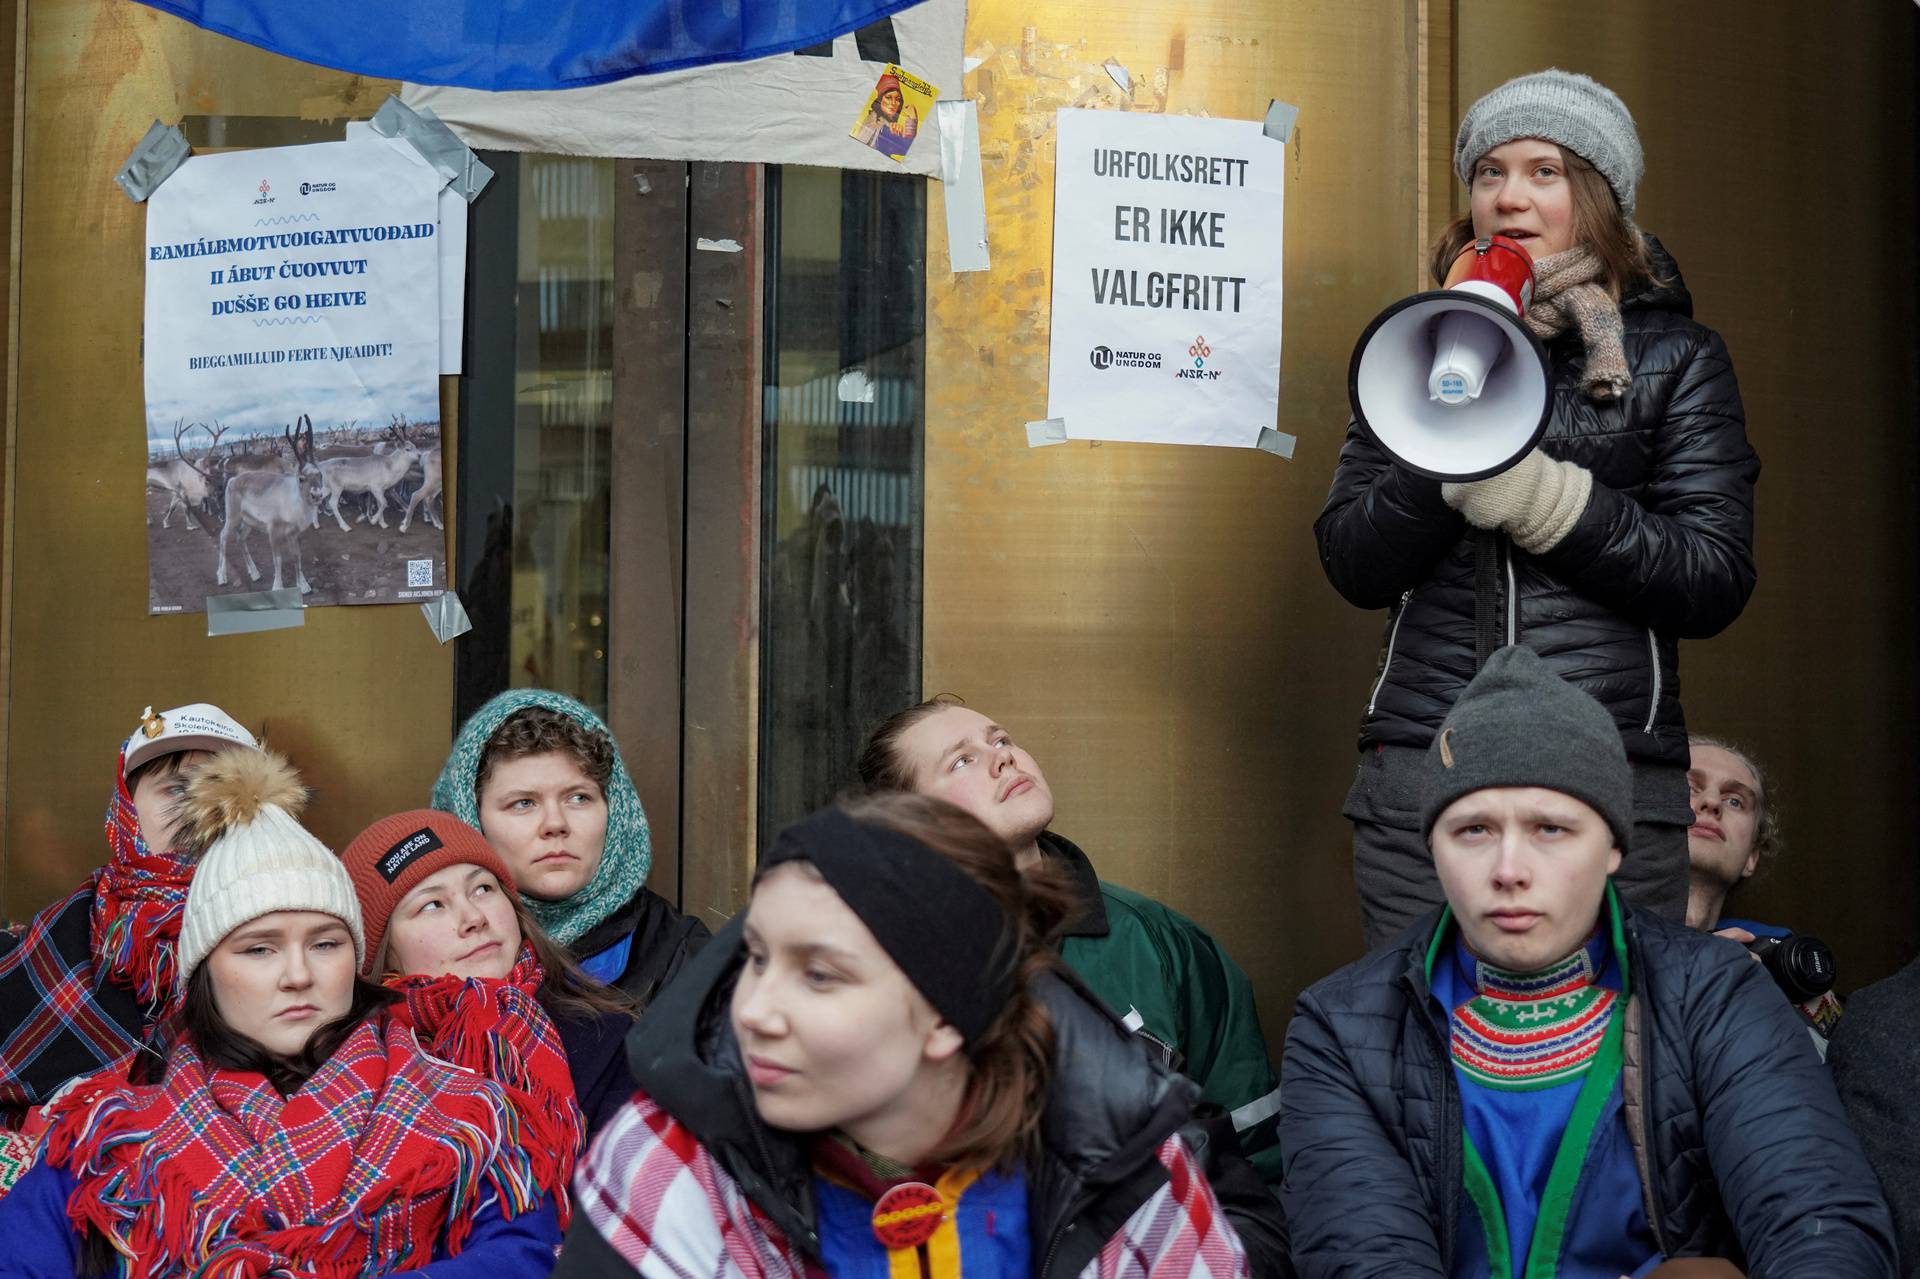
(1646, 1100)
(1059, 1237)
(1513, 595)
(1393, 637)
(1653, 655)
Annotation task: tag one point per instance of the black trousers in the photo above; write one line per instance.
(1393, 868)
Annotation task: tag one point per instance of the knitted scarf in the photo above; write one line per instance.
(383, 1156)
(1567, 293)
(499, 1030)
(139, 899)
(628, 853)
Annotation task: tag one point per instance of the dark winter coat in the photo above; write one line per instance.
(1664, 551)
(1745, 1151)
(597, 1061)
(1875, 1058)
(663, 941)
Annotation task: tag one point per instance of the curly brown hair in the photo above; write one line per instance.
(536, 730)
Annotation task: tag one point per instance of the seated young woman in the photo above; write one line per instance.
(484, 985)
(878, 1068)
(108, 946)
(541, 777)
(296, 1128)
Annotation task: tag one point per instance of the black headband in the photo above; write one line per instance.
(943, 929)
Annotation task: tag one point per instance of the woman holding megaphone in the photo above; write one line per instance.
(1618, 522)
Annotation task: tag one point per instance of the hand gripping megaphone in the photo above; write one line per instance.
(1450, 382)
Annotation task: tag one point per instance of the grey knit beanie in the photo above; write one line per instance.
(1578, 113)
(1519, 724)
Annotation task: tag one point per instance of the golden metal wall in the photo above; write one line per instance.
(359, 697)
(1153, 621)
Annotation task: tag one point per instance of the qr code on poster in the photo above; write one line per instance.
(419, 572)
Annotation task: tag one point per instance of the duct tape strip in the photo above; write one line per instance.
(1280, 118)
(1278, 443)
(447, 616)
(161, 151)
(961, 188)
(244, 612)
(436, 144)
(1052, 431)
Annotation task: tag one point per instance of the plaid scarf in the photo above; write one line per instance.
(1567, 293)
(140, 897)
(668, 1207)
(499, 1030)
(85, 984)
(382, 1156)
(59, 1018)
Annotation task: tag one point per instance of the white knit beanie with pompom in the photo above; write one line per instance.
(239, 816)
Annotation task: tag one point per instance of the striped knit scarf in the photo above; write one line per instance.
(499, 1030)
(1534, 1030)
(139, 899)
(383, 1156)
(1567, 293)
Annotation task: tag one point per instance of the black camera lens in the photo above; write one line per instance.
(1802, 966)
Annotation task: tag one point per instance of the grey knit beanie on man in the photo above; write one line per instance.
(1578, 113)
(1519, 724)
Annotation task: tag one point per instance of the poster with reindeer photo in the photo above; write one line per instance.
(291, 346)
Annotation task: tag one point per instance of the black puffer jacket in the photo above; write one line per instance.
(1099, 1134)
(1664, 551)
(1746, 1148)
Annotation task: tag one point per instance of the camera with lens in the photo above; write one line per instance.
(1802, 966)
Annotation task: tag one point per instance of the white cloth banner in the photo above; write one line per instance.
(792, 108)
(285, 284)
(1166, 279)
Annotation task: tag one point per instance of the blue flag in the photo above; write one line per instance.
(527, 44)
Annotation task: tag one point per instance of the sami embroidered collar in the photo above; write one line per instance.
(1532, 1030)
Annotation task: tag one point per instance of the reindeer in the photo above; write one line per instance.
(280, 504)
(429, 489)
(372, 474)
(186, 483)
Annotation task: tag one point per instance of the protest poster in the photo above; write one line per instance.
(791, 108)
(1166, 279)
(291, 347)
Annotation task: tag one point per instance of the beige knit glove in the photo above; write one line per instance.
(1537, 501)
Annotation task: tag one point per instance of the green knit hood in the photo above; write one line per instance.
(629, 848)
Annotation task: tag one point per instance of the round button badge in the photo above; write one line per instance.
(907, 1215)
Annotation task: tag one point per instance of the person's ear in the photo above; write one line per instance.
(1753, 864)
(943, 1043)
(1613, 859)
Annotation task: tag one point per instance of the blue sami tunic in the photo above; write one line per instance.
(1524, 1046)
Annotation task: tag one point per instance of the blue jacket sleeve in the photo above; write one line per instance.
(41, 1242)
(523, 1248)
(1353, 1204)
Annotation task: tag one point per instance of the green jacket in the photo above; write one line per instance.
(1169, 979)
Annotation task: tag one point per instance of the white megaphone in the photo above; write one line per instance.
(1450, 382)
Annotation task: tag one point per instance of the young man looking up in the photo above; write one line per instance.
(1536, 1080)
